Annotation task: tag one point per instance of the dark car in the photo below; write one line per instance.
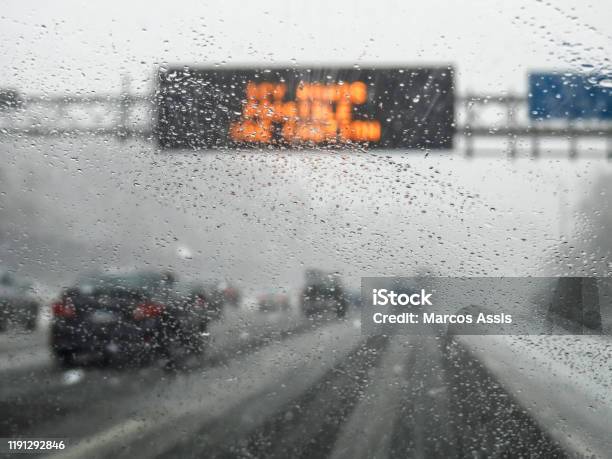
(206, 302)
(17, 305)
(230, 294)
(133, 317)
(10, 99)
(323, 293)
(273, 302)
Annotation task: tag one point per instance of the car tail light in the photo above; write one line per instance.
(200, 302)
(148, 310)
(63, 309)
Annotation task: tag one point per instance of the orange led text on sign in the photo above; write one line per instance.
(319, 113)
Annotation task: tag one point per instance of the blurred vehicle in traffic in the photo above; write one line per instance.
(273, 302)
(230, 293)
(131, 317)
(205, 302)
(353, 297)
(18, 307)
(10, 99)
(323, 293)
(575, 305)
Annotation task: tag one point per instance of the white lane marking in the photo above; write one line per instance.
(89, 446)
(367, 433)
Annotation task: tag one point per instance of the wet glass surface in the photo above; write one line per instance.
(190, 196)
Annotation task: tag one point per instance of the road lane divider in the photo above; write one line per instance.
(179, 409)
(285, 423)
(367, 433)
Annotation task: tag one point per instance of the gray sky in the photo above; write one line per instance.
(84, 46)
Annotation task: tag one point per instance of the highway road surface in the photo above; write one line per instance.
(273, 386)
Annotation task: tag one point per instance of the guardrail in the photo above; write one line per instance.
(514, 124)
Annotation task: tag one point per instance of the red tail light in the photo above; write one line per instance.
(63, 309)
(148, 310)
(200, 302)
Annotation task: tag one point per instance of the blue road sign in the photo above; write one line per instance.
(569, 96)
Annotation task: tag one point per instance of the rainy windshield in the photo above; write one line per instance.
(306, 229)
